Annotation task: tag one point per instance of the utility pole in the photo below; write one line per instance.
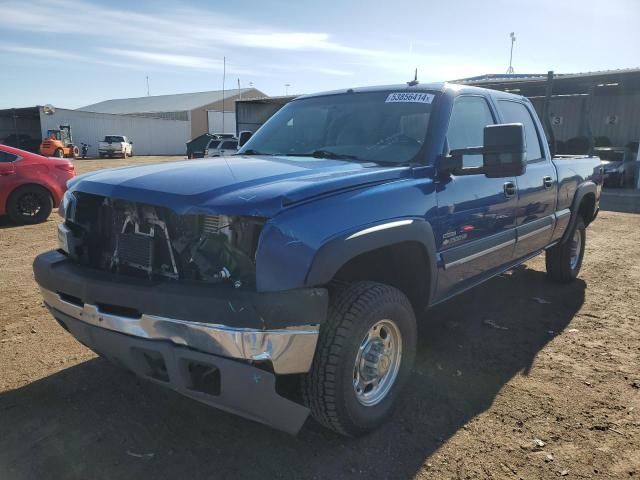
(513, 40)
(147, 85)
(286, 88)
(224, 76)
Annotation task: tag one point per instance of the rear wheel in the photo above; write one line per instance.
(75, 152)
(564, 260)
(58, 153)
(29, 204)
(364, 356)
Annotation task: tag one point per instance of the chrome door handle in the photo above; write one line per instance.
(547, 182)
(509, 189)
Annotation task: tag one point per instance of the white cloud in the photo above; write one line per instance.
(167, 29)
(177, 60)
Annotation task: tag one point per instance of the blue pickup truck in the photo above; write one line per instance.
(305, 259)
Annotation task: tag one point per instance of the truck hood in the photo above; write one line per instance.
(237, 185)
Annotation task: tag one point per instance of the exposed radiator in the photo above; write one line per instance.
(212, 223)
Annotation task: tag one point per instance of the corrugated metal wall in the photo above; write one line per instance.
(150, 136)
(251, 115)
(214, 121)
(614, 116)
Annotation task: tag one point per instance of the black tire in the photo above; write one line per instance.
(59, 153)
(560, 261)
(29, 204)
(328, 389)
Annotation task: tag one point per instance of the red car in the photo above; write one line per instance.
(31, 185)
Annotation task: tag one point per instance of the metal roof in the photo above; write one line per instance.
(542, 77)
(166, 103)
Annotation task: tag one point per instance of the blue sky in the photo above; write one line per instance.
(72, 53)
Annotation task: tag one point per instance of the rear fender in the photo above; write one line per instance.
(583, 190)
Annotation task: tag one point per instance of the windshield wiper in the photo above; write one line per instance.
(251, 151)
(324, 154)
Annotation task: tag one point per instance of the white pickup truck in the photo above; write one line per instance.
(115, 145)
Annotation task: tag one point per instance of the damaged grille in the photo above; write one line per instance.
(135, 250)
(149, 241)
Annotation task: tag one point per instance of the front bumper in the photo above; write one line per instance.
(229, 385)
(185, 324)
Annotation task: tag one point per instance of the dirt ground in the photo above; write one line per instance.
(505, 386)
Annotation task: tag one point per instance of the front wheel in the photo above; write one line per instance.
(564, 260)
(59, 153)
(365, 353)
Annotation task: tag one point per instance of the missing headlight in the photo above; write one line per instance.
(223, 250)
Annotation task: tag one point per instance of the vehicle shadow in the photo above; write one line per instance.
(5, 222)
(94, 420)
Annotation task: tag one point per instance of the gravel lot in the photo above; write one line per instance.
(505, 386)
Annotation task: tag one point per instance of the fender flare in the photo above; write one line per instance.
(335, 253)
(582, 190)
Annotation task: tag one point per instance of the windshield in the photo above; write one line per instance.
(384, 127)
(113, 138)
(214, 144)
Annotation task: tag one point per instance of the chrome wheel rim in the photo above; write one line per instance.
(377, 363)
(576, 245)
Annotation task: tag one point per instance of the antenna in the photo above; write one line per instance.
(513, 40)
(415, 79)
(224, 76)
(147, 85)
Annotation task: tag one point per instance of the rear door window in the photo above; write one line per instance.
(229, 145)
(515, 112)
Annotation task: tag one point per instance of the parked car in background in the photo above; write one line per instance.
(30, 184)
(619, 165)
(115, 146)
(221, 148)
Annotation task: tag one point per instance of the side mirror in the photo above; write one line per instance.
(244, 137)
(504, 152)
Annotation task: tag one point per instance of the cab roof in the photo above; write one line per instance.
(446, 87)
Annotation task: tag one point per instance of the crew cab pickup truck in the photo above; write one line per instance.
(115, 145)
(306, 259)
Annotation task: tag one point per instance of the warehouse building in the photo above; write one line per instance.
(26, 127)
(205, 112)
(592, 111)
(157, 125)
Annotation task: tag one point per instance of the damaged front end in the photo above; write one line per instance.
(148, 241)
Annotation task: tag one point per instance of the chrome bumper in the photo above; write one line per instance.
(289, 350)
